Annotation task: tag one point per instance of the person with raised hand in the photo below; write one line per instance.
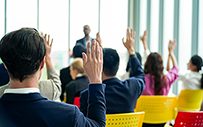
(23, 52)
(156, 83)
(121, 96)
(50, 88)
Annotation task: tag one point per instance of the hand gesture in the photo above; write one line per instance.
(130, 40)
(93, 62)
(171, 45)
(98, 39)
(144, 37)
(47, 43)
(144, 40)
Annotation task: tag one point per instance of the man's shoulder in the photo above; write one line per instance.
(80, 40)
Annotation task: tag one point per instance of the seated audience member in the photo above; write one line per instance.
(194, 79)
(121, 96)
(51, 88)
(156, 83)
(65, 76)
(4, 77)
(23, 53)
(79, 82)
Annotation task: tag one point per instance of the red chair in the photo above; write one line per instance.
(189, 119)
(77, 101)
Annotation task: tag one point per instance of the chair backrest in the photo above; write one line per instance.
(189, 100)
(125, 119)
(77, 101)
(158, 109)
(189, 119)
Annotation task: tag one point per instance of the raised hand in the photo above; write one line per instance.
(98, 39)
(144, 40)
(130, 40)
(47, 43)
(172, 45)
(144, 37)
(93, 62)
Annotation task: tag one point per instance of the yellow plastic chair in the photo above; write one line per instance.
(189, 100)
(125, 119)
(158, 109)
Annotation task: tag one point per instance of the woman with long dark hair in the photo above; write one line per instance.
(156, 83)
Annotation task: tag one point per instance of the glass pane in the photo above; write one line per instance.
(168, 32)
(185, 34)
(185, 29)
(200, 28)
(154, 31)
(114, 15)
(2, 4)
(168, 27)
(53, 20)
(143, 20)
(21, 13)
(83, 12)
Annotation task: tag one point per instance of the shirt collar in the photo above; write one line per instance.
(22, 90)
(79, 75)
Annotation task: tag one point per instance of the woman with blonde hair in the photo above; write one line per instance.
(80, 81)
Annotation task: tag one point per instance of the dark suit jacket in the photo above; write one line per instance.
(121, 96)
(4, 77)
(74, 88)
(65, 78)
(82, 41)
(33, 110)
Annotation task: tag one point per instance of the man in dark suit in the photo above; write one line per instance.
(87, 38)
(4, 77)
(24, 53)
(65, 76)
(121, 96)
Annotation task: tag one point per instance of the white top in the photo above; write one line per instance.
(145, 55)
(22, 90)
(191, 80)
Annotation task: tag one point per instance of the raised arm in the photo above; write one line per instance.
(146, 49)
(53, 84)
(144, 40)
(171, 47)
(136, 68)
(168, 63)
(93, 65)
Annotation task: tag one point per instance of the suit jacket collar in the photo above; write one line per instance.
(10, 97)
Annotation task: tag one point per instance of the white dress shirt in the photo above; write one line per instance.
(191, 80)
(22, 90)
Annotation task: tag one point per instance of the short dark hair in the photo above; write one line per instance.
(78, 50)
(110, 61)
(22, 51)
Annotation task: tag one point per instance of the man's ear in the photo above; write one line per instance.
(42, 64)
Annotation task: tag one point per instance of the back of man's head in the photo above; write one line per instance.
(110, 62)
(22, 51)
(78, 50)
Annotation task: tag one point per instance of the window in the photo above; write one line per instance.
(154, 30)
(185, 34)
(21, 13)
(53, 20)
(143, 21)
(83, 12)
(168, 27)
(114, 17)
(2, 10)
(200, 28)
